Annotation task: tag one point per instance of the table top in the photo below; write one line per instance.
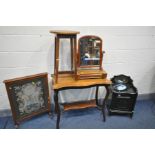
(64, 32)
(66, 80)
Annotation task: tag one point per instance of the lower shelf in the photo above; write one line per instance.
(80, 105)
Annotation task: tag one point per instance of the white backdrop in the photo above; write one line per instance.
(30, 50)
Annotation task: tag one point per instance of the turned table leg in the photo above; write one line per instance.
(104, 102)
(57, 108)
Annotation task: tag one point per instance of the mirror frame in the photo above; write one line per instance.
(79, 54)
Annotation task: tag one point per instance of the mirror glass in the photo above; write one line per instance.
(90, 48)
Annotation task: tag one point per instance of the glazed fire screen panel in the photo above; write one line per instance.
(29, 97)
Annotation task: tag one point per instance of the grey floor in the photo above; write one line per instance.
(143, 118)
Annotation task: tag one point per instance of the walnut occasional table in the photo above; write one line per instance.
(67, 81)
